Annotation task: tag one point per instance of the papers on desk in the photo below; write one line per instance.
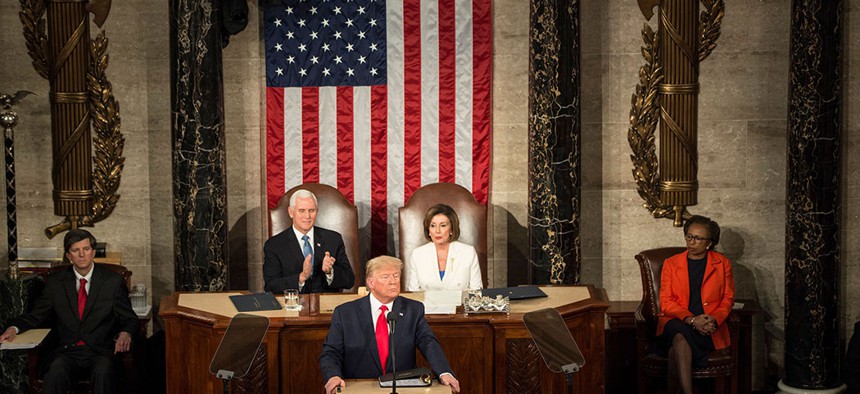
(27, 340)
(738, 305)
(442, 302)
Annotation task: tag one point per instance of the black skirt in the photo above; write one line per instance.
(700, 344)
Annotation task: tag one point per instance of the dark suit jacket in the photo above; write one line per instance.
(107, 312)
(851, 366)
(283, 260)
(350, 348)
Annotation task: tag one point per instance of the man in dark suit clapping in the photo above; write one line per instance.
(90, 312)
(305, 257)
(357, 343)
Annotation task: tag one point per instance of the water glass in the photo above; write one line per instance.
(291, 300)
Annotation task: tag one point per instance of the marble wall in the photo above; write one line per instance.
(742, 131)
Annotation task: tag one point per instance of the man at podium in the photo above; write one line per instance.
(357, 343)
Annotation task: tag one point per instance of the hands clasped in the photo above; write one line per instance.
(705, 324)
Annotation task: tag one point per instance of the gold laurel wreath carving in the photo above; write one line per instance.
(108, 142)
(644, 114)
(710, 21)
(32, 17)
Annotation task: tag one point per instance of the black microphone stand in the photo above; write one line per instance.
(392, 320)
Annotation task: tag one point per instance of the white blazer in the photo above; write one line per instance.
(462, 271)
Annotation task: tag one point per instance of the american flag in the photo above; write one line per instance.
(377, 98)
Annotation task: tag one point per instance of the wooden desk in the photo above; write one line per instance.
(488, 353)
(364, 386)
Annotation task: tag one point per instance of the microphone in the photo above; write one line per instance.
(392, 321)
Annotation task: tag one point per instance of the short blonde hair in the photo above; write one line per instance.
(379, 262)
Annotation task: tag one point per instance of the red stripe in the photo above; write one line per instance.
(378, 170)
(274, 145)
(482, 49)
(412, 97)
(447, 90)
(310, 134)
(345, 143)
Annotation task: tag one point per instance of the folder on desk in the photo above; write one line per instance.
(515, 293)
(255, 302)
(418, 377)
(26, 340)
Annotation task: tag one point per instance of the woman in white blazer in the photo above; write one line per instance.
(443, 263)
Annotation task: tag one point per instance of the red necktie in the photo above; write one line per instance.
(82, 298)
(382, 337)
(82, 302)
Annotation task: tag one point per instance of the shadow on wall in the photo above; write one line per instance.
(516, 248)
(237, 250)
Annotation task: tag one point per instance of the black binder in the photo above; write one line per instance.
(418, 377)
(515, 293)
(255, 302)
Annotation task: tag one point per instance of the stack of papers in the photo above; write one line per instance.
(442, 302)
(27, 340)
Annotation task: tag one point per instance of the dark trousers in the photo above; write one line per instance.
(81, 361)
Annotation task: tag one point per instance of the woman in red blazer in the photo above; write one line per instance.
(697, 291)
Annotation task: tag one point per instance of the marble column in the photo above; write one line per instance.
(812, 246)
(554, 142)
(199, 177)
(15, 297)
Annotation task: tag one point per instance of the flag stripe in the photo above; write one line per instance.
(363, 162)
(310, 134)
(395, 119)
(329, 149)
(482, 89)
(274, 145)
(292, 138)
(429, 92)
(345, 143)
(379, 173)
(464, 95)
(411, 97)
(447, 91)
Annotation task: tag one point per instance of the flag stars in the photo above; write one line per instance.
(350, 71)
(361, 59)
(326, 72)
(302, 22)
(325, 47)
(303, 47)
(313, 10)
(361, 10)
(291, 59)
(303, 72)
(338, 59)
(373, 47)
(325, 22)
(289, 10)
(278, 47)
(361, 35)
(279, 71)
(291, 35)
(314, 35)
(373, 22)
(349, 22)
(315, 60)
(278, 22)
(373, 71)
(337, 35)
(349, 47)
(336, 10)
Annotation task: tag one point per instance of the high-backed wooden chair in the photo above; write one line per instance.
(128, 378)
(335, 213)
(722, 364)
(473, 219)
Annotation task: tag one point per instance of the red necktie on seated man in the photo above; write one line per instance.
(82, 303)
(382, 337)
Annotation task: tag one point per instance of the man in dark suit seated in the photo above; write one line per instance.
(357, 343)
(90, 312)
(305, 257)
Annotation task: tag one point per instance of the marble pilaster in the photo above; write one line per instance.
(15, 297)
(199, 177)
(554, 142)
(812, 246)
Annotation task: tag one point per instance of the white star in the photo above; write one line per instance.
(361, 35)
(361, 59)
(290, 35)
(349, 22)
(361, 10)
(313, 10)
(373, 46)
(325, 22)
(350, 71)
(337, 35)
(303, 47)
(336, 10)
(303, 72)
(291, 59)
(373, 71)
(277, 22)
(337, 59)
(315, 60)
(325, 47)
(290, 10)
(349, 47)
(314, 35)
(278, 47)
(279, 71)
(373, 22)
(326, 72)
(302, 22)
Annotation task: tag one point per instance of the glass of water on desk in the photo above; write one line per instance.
(291, 300)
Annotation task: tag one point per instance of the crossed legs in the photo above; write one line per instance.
(680, 366)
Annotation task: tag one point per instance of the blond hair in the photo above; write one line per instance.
(379, 262)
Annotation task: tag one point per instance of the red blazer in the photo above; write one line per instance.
(718, 293)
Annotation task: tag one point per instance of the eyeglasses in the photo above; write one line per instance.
(695, 239)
